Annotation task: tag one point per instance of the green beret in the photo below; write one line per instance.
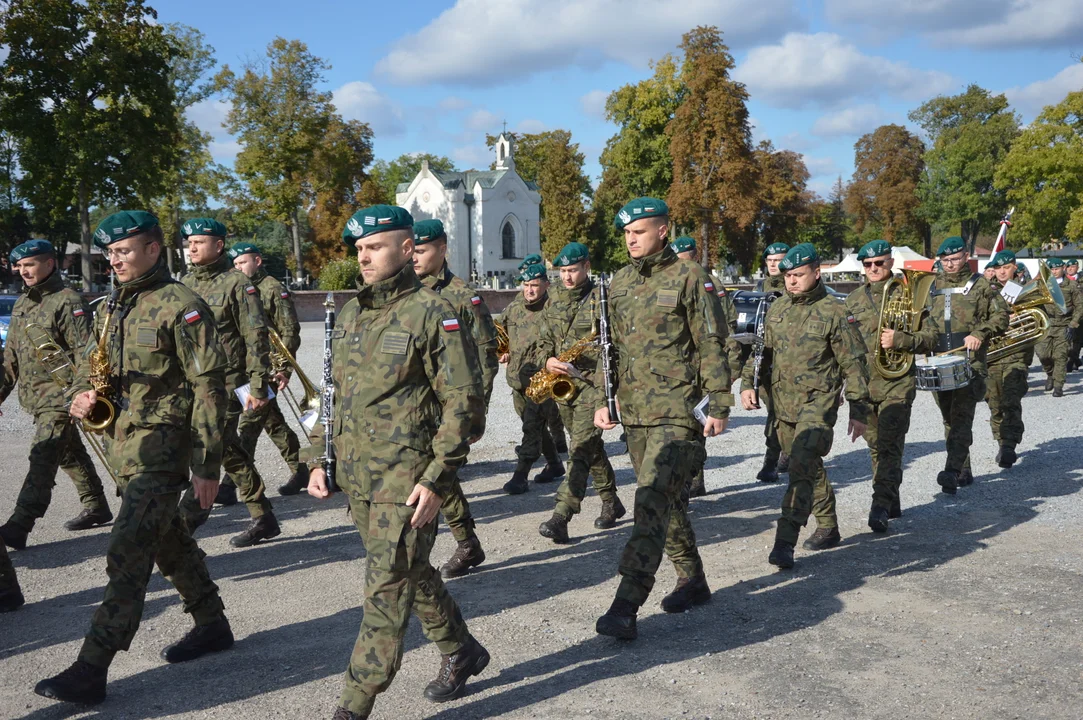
(376, 219)
(950, 246)
(1071, 261)
(31, 248)
(876, 248)
(798, 256)
(638, 209)
(1004, 257)
(776, 249)
(533, 272)
(426, 231)
(1055, 262)
(532, 259)
(204, 226)
(685, 243)
(571, 254)
(243, 248)
(123, 225)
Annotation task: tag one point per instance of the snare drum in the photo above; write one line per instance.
(942, 372)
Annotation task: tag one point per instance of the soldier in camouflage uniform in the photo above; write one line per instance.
(11, 595)
(570, 317)
(664, 317)
(975, 315)
(430, 265)
(891, 398)
(48, 312)
(1071, 271)
(524, 323)
(280, 312)
(242, 330)
(1007, 378)
(774, 460)
(810, 348)
(167, 380)
(1053, 349)
(409, 402)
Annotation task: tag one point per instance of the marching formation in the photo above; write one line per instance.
(171, 383)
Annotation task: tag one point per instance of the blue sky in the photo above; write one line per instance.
(436, 76)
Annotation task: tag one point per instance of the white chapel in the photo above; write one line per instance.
(491, 216)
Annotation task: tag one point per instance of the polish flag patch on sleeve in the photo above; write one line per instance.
(285, 295)
(451, 325)
(78, 312)
(708, 286)
(192, 317)
(476, 300)
(250, 290)
(721, 292)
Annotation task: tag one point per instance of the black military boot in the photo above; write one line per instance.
(878, 518)
(896, 509)
(297, 483)
(781, 555)
(612, 511)
(555, 528)
(518, 483)
(965, 477)
(227, 495)
(1049, 383)
(823, 539)
(1006, 457)
(262, 528)
(948, 480)
(468, 554)
(688, 593)
(455, 670)
(619, 620)
(697, 488)
(81, 683)
(769, 472)
(199, 641)
(551, 471)
(344, 714)
(11, 599)
(13, 536)
(783, 463)
(87, 519)
(1058, 392)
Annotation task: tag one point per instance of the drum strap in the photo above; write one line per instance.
(948, 341)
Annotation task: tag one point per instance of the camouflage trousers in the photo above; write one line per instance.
(885, 434)
(809, 491)
(274, 423)
(664, 457)
(957, 412)
(238, 464)
(1007, 386)
(456, 512)
(148, 530)
(8, 580)
(56, 444)
(586, 457)
(538, 439)
(399, 580)
(1052, 351)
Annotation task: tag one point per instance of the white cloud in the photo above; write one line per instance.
(820, 166)
(593, 103)
(225, 151)
(482, 120)
(359, 100)
(825, 69)
(454, 104)
(490, 42)
(1030, 99)
(852, 121)
(531, 126)
(472, 156)
(208, 115)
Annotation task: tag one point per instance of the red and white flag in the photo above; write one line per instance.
(1002, 237)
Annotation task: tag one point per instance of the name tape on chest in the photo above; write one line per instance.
(450, 325)
(192, 317)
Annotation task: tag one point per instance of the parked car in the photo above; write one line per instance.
(7, 302)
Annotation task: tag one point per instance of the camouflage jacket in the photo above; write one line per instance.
(733, 348)
(568, 318)
(64, 319)
(1072, 301)
(810, 349)
(976, 309)
(168, 379)
(279, 309)
(1020, 358)
(475, 315)
(239, 321)
(526, 339)
(669, 334)
(407, 391)
(863, 306)
(772, 283)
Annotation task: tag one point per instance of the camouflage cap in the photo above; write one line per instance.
(876, 248)
(243, 248)
(950, 246)
(685, 243)
(638, 209)
(1004, 257)
(533, 272)
(376, 219)
(1055, 262)
(203, 226)
(799, 256)
(122, 225)
(426, 231)
(532, 259)
(776, 249)
(31, 248)
(570, 254)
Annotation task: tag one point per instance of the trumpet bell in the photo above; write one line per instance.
(101, 416)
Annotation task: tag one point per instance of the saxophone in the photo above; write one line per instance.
(545, 384)
(102, 415)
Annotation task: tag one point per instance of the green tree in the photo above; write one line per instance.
(389, 174)
(339, 274)
(783, 194)
(889, 165)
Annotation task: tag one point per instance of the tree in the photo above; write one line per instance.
(969, 136)
(714, 171)
(783, 194)
(889, 165)
(388, 175)
(86, 91)
(279, 118)
(1042, 174)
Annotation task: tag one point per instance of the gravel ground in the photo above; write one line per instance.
(968, 608)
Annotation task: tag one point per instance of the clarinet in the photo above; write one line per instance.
(328, 401)
(757, 359)
(605, 340)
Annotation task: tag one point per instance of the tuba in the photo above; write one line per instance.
(901, 313)
(307, 409)
(1028, 323)
(102, 415)
(503, 342)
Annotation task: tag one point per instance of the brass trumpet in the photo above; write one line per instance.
(307, 409)
(901, 313)
(102, 415)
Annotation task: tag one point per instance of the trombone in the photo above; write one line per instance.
(307, 409)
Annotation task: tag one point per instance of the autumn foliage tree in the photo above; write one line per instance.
(889, 165)
(783, 194)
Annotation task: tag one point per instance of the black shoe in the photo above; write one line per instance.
(13, 536)
(518, 483)
(81, 683)
(878, 518)
(612, 511)
(455, 670)
(896, 509)
(781, 555)
(1058, 392)
(227, 495)
(965, 477)
(768, 473)
(199, 641)
(90, 518)
(550, 473)
(783, 463)
(344, 714)
(1006, 457)
(555, 528)
(297, 483)
(262, 528)
(948, 480)
(1048, 384)
(619, 621)
(823, 539)
(11, 599)
(468, 554)
(688, 593)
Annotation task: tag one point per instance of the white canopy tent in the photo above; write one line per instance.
(848, 264)
(851, 264)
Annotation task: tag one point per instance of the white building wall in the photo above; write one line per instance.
(427, 198)
(510, 200)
